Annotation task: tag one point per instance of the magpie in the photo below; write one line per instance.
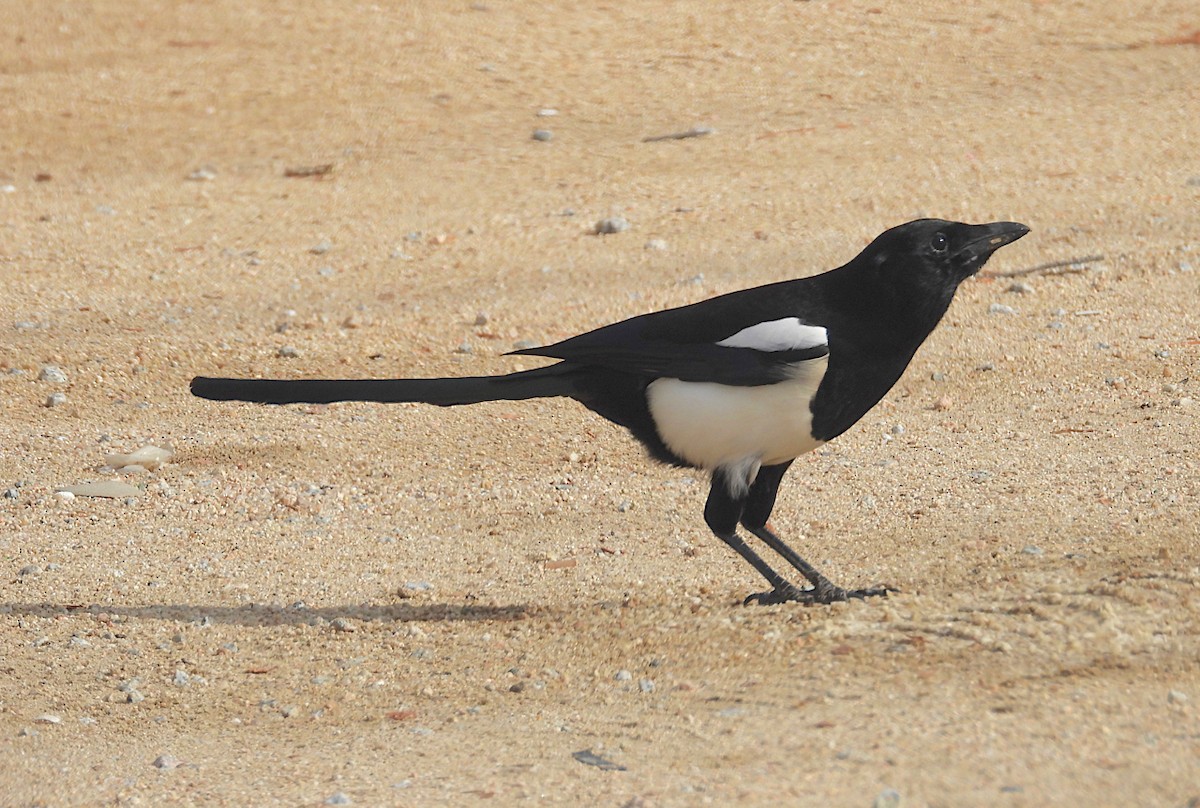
(738, 385)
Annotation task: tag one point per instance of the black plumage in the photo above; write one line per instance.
(739, 384)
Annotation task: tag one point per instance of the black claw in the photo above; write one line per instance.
(824, 594)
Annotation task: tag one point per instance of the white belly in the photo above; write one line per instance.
(714, 425)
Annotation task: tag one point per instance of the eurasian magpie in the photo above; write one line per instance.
(739, 385)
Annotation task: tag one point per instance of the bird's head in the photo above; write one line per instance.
(919, 265)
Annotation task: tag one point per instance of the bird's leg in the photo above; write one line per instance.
(823, 590)
(722, 512)
(757, 509)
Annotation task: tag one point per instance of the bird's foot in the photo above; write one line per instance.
(823, 593)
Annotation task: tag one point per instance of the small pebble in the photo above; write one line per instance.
(110, 489)
(543, 135)
(465, 348)
(646, 685)
(1000, 308)
(28, 569)
(656, 244)
(522, 344)
(1033, 550)
(53, 374)
(613, 224)
(898, 429)
(623, 676)
(624, 506)
(481, 318)
(1176, 697)
(1020, 288)
(203, 174)
(321, 247)
(181, 678)
(341, 624)
(167, 762)
(12, 493)
(326, 272)
(547, 112)
(287, 352)
(888, 798)
(48, 719)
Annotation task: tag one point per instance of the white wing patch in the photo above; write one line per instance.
(788, 334)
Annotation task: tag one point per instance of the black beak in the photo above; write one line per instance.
(985, 239)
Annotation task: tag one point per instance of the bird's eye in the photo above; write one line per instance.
(938, 243)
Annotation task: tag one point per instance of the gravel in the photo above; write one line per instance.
(613, 224)
(52, 374)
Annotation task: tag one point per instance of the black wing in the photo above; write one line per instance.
(682, 343)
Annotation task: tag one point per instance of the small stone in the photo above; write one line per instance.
(342, 624)
(624, 506)
(937, 376)
(543, 135)
(1185, 402)
(56, 399)
(523, 344)
(1115, 382)
(28, 569)
(1176, 697)
(167, 762)
(623, 676)
(898, 429)
(481, 318)
(465, 348)
(338, 799)
(203, 174)
(321, 247)
(181, 678)
(613, 224)
(326, 272)
(646, 685)
(547, 112)
(52, 374)
(48, 719)
(1033, 550)
(287, 352)
(1020, 288)
(942, 404)
(656, 244)
(1000, 308)
(109, 489)
(888, 798)
(12, 493)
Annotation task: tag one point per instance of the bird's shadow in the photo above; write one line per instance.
(268, 615)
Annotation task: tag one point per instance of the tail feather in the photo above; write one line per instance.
(538, 383)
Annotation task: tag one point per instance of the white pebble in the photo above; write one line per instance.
(53, 374)
(613, 224)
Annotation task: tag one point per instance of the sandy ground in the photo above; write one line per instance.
(373, 605)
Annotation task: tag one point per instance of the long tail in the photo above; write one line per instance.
(556, 380)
